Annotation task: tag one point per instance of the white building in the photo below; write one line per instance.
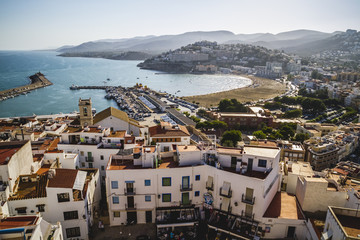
(32, 227)
(341, 223)
(174, 191)
(66, 195)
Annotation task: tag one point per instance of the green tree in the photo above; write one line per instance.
(228, 143)
(232, 135)
(231, 105)
(286, 131)
(259, 134)
(293, 113)
(301, 137)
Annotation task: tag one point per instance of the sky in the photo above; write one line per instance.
(44, 24)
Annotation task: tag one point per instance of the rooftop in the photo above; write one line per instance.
(30, 186)
(64, 178)
(347, 219)
(229, 151)
(301, 168)
(19, 221)
(117, 134)
(176, 131)
(8, 149)
(285, 206)
(267, 152)
(187, 148)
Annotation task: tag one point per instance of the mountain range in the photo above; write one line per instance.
(298, 41)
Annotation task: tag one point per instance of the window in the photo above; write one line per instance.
(197, 178)
(82, 164)
(101, 157)
(116, 214)
(91, 165)
(73, 232)
(41, 207)
(166, 197)
(166, 181)
(71, 215)
(147, 182)
(21, 210)
(63, 197)
(102, 168)
(147, 198)
(197, 193)
(114, 185)
(81, 153)
(115, 200)
(262, 163)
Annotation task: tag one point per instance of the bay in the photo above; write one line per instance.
(16, 66)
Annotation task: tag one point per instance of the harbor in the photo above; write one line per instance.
(38, 80)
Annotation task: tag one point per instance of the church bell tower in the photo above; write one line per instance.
(86, 117)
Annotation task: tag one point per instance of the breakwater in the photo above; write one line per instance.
(38, 80)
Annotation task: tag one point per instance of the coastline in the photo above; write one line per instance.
(260, 88)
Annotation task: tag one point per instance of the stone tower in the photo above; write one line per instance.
(86, 117)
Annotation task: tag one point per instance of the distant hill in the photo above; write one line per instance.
(302, 42)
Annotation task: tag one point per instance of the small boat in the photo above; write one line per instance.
(108, 79)
(74, 87)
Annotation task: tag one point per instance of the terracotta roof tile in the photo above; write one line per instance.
(64, 178)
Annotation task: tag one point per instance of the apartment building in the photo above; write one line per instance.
(226, 185)
(254, 118)
(321, 153)
(31, 227)
(168, 136)
(67, 195)
(341, 223)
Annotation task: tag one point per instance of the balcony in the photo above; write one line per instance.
(187, 187)
(185, 203)
(129, 191)
(130, 207)
(210, 186)
(247, 216)
(89, 159)
(228, 195)
(247, 200)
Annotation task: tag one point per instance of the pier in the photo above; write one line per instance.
(38, 80)
(75, 87)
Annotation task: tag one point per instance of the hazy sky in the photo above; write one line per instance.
(39, 24)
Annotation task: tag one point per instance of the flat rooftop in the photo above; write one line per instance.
(284, 206)
(117, 134)
(189, 148)
(261, 151)
(302, 168)
(16, 222)
(348, 220)
(229, 151)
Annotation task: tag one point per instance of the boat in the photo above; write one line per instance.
(108, 79)
(74, 87)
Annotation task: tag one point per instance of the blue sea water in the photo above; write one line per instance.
(16, 66)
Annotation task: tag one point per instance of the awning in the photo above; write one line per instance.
(175, 225)
(130, 181)
(225, 188)
(209, 182)
(225, 204)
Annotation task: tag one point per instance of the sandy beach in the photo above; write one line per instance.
(260, 88)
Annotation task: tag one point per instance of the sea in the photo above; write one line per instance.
(63, 72)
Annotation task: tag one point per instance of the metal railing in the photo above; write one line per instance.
(247, 200)
(210, 186)
(228, 195)
(186, 187)
(129, 191)
(185, 203)
(132, 207)
(89, 159)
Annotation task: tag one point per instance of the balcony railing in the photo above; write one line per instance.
(229, 208)
(185, 203)
(210, 186)
(129, 191)
(187, 187)
(247, 200)
(228, 195)
(89, 159)
(130, 207)
(247, 216)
